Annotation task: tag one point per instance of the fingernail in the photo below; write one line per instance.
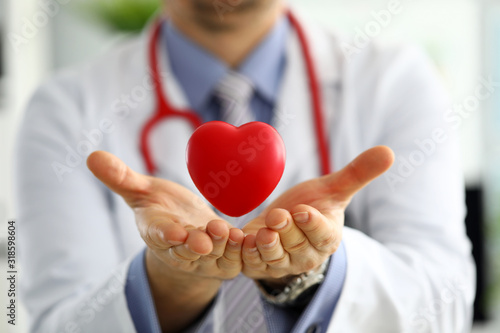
(215, 237)
(266, 246)
(231, 242)
(174, 243)
(281, 225)
(301, 217)
(190, 249)
(252, 249)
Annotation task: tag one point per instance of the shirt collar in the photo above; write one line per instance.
(198, 71)
(264, 66)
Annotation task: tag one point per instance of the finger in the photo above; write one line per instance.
(219, 233)
(361, 171)
(291, 236)
(184, 255)
(199, 242)
(250, 254)
(270, 249)
(159, 229)
(116, 175)
(234, 245)
(231, 258)
(322, 233)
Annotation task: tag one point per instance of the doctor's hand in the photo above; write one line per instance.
(303, 227)
(190, 250)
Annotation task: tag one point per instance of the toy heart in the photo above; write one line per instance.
(235, 168)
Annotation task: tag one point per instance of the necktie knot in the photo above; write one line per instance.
(234, 93)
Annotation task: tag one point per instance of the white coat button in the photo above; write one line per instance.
(313, 329)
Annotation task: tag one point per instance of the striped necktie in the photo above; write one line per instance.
(234, 92)
(241, 310)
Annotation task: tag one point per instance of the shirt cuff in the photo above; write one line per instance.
(319, 311)
(139, 299)
(141, 305)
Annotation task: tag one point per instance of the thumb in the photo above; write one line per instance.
(360, 172)
(116, 175)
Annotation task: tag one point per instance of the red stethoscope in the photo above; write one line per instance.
(165, 109)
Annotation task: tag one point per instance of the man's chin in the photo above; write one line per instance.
(234, 4)
(219, 15)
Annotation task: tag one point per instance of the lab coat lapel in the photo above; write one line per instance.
(169, 139)
(294, 118)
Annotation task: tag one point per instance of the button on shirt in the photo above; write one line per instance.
(198, 72)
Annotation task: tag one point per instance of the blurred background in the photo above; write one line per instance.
(462, 37)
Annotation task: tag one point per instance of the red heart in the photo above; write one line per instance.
(235, 168)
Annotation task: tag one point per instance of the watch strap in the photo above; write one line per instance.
(298, 291)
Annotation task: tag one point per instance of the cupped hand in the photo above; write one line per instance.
(303, 227)
(179, 229)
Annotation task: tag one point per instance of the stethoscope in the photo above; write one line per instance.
(165, 109)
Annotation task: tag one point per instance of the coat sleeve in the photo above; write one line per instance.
(409, 263)
(73, 273)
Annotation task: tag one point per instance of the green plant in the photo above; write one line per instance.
(125, 15)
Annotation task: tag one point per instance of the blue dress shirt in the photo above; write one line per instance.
(198, 72)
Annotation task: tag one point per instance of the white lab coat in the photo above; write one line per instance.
(409, 267)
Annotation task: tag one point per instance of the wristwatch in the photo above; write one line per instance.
(298, 291)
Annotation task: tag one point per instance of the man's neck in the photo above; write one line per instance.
(229, 35)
